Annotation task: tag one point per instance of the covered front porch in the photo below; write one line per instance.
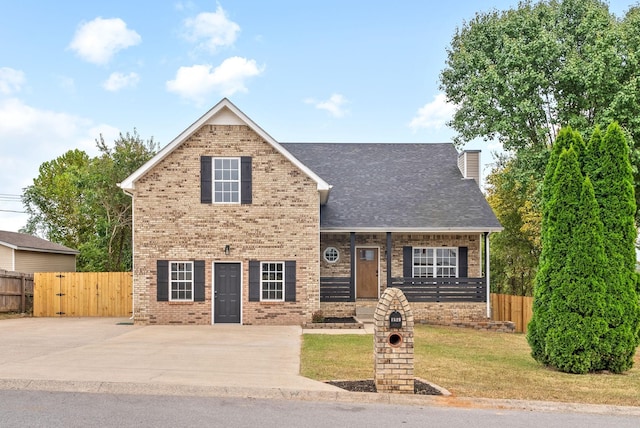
(443, 274)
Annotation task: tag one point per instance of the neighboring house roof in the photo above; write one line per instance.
(24, 242)
(396, 187)
(224, 113)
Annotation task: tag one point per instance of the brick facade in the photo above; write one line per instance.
(170, 223)
(279, 223)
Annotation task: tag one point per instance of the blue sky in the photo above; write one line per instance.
(305, 71)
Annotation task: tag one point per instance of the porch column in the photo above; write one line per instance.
(388, 259)
(352, 283)
(487, 272)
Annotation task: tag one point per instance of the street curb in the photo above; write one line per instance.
(96, 387)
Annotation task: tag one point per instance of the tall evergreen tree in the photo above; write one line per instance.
(573, 342)
(560, 225)
(610, 169)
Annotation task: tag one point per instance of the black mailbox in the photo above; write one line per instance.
(395, 320)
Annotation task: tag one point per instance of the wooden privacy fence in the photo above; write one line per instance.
(82, 294)
(518, 309)
(16, 291)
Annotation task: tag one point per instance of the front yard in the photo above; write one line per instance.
(471, 364)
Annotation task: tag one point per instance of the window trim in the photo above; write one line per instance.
(326, 259)
(171, 280)
(434, 262)
(214, 181)
(282, 281)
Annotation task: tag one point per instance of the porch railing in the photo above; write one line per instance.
(442, 289)
(338, 289)
(335, 289)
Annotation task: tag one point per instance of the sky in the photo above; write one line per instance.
(304, 71)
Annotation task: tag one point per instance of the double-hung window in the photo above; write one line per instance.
(226, 180)
(435, 262)
(272, 281)
(181, 281)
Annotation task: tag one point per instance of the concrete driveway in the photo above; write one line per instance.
(110, 350)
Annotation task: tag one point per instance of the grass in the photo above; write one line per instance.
(472, 364)
(9, 315)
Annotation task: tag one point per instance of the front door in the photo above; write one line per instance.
(367, 273)
(226, 292)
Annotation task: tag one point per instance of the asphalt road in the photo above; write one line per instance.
(20, 408)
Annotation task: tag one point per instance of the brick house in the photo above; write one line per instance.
(231, 226)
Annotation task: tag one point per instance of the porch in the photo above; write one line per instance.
(442, 274)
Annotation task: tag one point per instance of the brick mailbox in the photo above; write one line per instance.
(393, 343)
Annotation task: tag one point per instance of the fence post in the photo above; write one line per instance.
(23, 290)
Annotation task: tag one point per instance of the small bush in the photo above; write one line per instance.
(317, 317)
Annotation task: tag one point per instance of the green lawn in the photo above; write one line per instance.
(471, 364)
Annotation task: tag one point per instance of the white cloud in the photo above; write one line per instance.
(18, 119)
(434, 115)
(211, 30)
(117, 81)
(11, 80)
(335, 105)
(30, 136)
(184, 5)
(195, 83)
(98, 40)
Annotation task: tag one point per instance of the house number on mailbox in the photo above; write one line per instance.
(395, 320)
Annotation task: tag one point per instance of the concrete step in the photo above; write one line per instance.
(365, 313)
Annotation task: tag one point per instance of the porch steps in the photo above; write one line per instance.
(364, 311)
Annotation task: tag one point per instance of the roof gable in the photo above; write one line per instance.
(24, 242)
(223, 113)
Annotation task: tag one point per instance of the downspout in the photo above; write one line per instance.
(487, 273)
(133, 300)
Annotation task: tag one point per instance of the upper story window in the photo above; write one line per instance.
(226, 180)
(181, 281)
(435, 262)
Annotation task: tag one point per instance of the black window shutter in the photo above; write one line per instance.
(290, 281)
(407, 262)
(205, 180)
(254, 281)
(162, 273)
(245, 180)
(462, 262)
(198, 281)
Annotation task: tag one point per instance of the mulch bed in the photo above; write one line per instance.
(420, 388)
(336, 320)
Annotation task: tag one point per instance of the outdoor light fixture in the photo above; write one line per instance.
(227, 249)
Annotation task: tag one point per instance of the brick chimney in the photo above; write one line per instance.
(469, 164)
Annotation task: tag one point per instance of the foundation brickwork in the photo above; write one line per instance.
(393, 347)
(338, 309)
(170, 223)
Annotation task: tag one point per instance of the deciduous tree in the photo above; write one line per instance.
(75, 201)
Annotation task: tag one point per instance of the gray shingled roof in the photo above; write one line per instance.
(24, 242)
(395, 186)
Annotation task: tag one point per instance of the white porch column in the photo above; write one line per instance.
(487, 272)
